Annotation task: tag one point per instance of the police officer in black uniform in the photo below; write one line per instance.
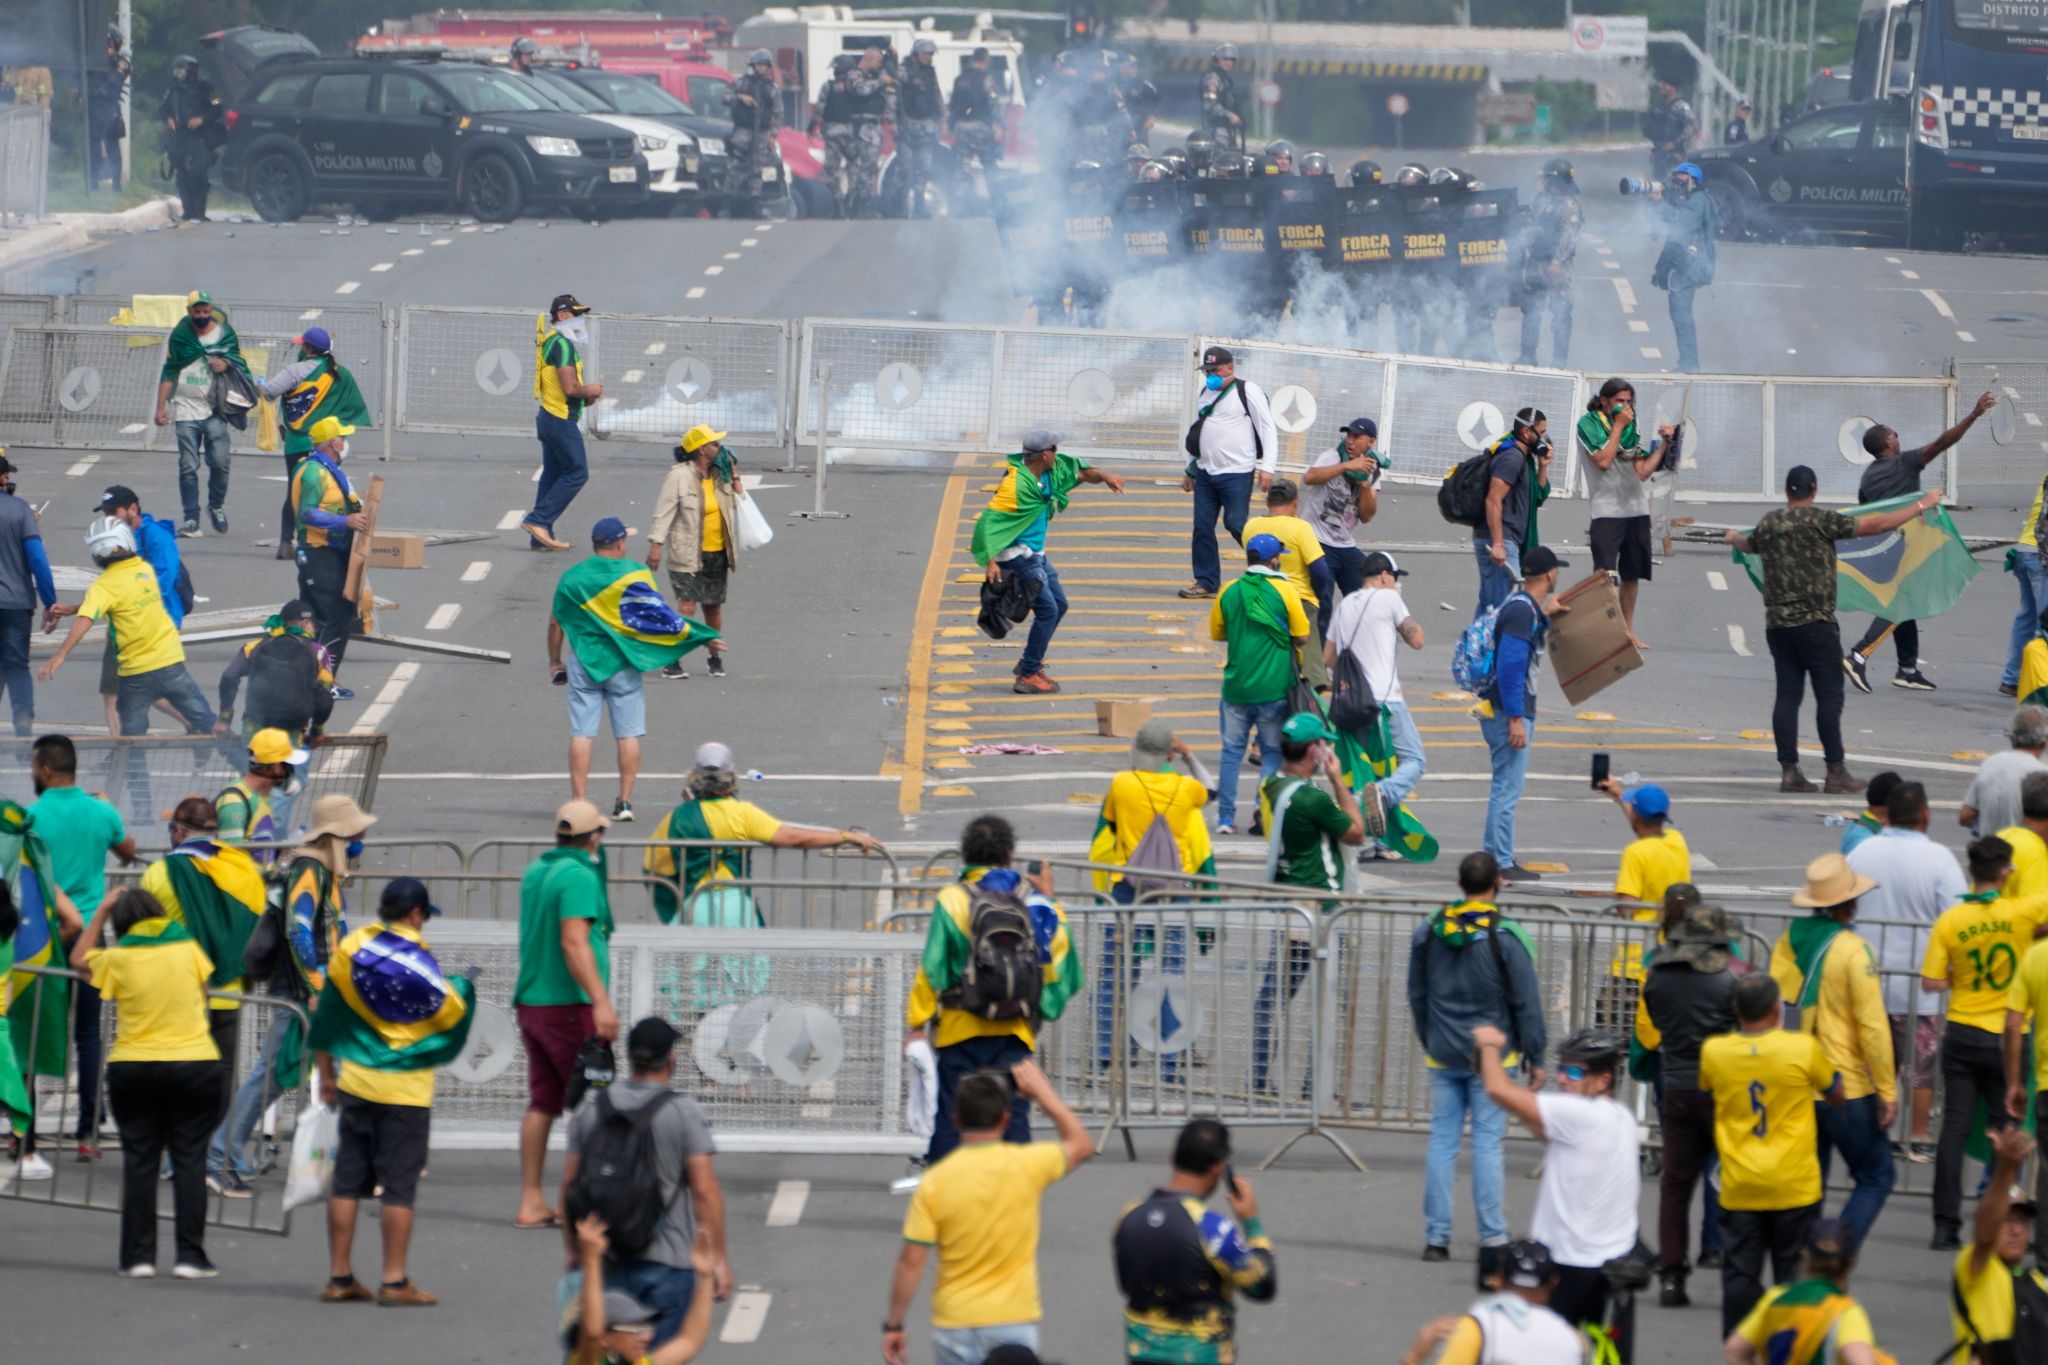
(1736, 132)
(972, 112)
(1220, 113)
(1102, 128)
(1671, 127)
(1141, 97)
(104, 90)
(756, 112)
(525, 52)
(190, 113)
(1550, 246)
(871, 94)
(922, 110)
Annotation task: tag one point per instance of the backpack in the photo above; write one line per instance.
(1353, 708)
(284, 683)
(618, 1178)
(1003, 977)
(188, 596)
(1157, 852)
(1461, 498)
(1192, 442)
(1472, 661)
(267, 960)
(2029, 1339)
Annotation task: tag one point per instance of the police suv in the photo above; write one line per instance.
(1837, 169)
(388, 134)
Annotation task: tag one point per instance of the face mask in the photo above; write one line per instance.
(1212, 382)
(576, 329)
(355, 849)
(341, 452)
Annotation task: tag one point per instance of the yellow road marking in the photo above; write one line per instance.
(924, 625)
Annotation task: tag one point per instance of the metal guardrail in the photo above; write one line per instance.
(24, 160)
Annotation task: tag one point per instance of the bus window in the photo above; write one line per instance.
(2000, 24)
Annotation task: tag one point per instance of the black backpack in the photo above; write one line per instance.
(617, 1178)
(1003, 977)
(284, 683)
(267, 961)
(1353, 708)
(1462, 496)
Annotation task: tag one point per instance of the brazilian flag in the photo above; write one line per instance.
(615, 617)
(221, 896)
(1908, 574)
(39, 1008)
(1369, 758)
(388, 1007)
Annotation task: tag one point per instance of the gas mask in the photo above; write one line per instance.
(355, 849)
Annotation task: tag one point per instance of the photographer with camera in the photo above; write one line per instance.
(1686, 264)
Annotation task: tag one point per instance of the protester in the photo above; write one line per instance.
(156, 542)
(2023, 562)
(1992, 800)
(559, 336)
(1764, 1082)
(243, 806)
(979, 1210)
(1654, 861)
(1973, 952)
(1239, 446)
(1687, 998)
(1180, 1264)
(77, 831)
(1812, 1319)
(662, 1273)
(1892, 473)
(990, 1025)
(2026, 1096)
(1915, 880)
(24, 577)
(612, 1327)
(1470, 965)
(2029, 839)
(1795, 550)
(329, 516)
(1515, 487)
(1343, 494)
(1512, 1324)
(1827, 975)
(202, 345)
(151, 658)
(1586, 1203)
(291, 689)
(696, 516)
(1507, 715)
(563, 995)
(1876, 797)
(1009, 541)
(388, 1015)
(1985, 1287)
(1367, 624)
(1619, 474)
(1260, 619)
(1685, 261)
(1302, 560)
(309, 390)
(163, 1072)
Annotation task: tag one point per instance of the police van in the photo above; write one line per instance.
(1837, 169)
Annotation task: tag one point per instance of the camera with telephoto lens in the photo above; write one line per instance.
(1631, 185)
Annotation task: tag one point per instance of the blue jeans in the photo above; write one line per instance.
(206, 440)
(174, 684)
(1408, 762)
(15, 678)
(1299, 953)
(1231, 495)
(666, 1289)
(1510, 770)
(1046, 614)
(972, 1345)
(563, 469)
(962, 1059)
(1853, 1131)
(1452, 1095)
(1238, 719)
(1682, 326)
(2033, 580)
(1496, 581)
(252, 1097)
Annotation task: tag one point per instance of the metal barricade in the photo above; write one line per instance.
(68, 386)
(24, 160)
(794, 1039)
(2008, 470)
(1820, 423)
(1105, 393)
(663, 376)
(97, 1183)
(1425, 401)
(465, 370)
(1313, 392)
(899, 386)
(798, 904)
(839, 887)
(26, 310)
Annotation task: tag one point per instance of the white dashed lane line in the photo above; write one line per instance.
(1948, 314)
(1627, 294)
(1737, 641)
(1910, 274)
(788, 1205)
(478, 570)
(348, 286)
(1964, 336)
(1638, 325)
(372, 719)
(444, 616)
(1651, 353)
(510, 521)
(442, 241)
(695, 291)
(732, 255)
(1891, 260)
(1716, 581)
(380, 267)
(750, 241)
(413, 251)
(82, 467)
(714, 270)
(746, 1317)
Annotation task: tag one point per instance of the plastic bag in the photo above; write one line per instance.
(268, 438)
(921, 1104)
(313, 1144)
(753, 529)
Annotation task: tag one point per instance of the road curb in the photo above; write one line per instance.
(68, 232)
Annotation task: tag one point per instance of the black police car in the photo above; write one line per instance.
(388, 134)
(1838, 169)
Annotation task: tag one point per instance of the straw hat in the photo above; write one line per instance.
(1831, 881)
(339, 816)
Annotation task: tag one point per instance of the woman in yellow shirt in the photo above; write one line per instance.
(163, 1072)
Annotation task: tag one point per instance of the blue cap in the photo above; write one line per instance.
(1362, 426)
(405, 895)
(609, 531)
(316, 339)
(1263, 547)
(1650, 801)
(1688, 168)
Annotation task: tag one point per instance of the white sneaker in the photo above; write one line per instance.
(185, 1271)
(34, 1167)
(141, 1271)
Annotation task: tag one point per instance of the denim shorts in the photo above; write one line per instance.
(622, 696)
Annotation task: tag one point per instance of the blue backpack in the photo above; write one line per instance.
(1472, 661)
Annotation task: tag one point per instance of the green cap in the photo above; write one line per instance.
(1304, 726)
(198, 296)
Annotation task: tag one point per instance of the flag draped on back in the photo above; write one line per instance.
(1369, 758)
(614, 617)
(387, 1005)
(221, 894)
(1910, 574)
(683, 871)
(39, 1007)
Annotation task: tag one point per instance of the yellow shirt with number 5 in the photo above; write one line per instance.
(1764, 1087)
(1976, 946)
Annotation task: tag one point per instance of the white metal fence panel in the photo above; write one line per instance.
(899, 386)
(1312, 392)
(2007, 468)
(1100, 392)
(1820, 423)
(466, 370)
(1445, 410)
(663, 376)
(24, 160)
(81, 386)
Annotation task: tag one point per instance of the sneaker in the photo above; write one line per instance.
(344, 693)
(2008, 690)
(674, 672)
(1671, 1292)
(1373, 809)
(88, 1152)
(1913, 680)
(219, 517)
(189, 529)
(1945, 1239)
(35, 1167)
(1920, 1153)
(355, 1291)
(1374, 852)
(406, 1295)
(1710, 1260)
(1433, 1252)
(1195, 592)
(141, 1270)
(1858, 671)
(228, 1185)
(1258, 826)
(1036, 685)
(1226, 828)
(715, 666)
(622, 809)
(1515, 872)
(194, 1270)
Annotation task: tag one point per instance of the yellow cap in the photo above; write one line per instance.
(699, 436)
(327, 428)
(274, 746)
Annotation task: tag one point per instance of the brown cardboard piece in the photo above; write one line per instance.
(1121, 719)
(356, 587)
(398, 550)
(1589, 645)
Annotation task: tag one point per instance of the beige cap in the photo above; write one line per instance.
(338, 815)
(579, 817)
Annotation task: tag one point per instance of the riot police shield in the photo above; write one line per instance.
(1239, 240)
(1150, 228)
(1426, 297)
(1027, 213)
(1365, 250)
(1298, 213)
(1090, 254)
(1481, 225)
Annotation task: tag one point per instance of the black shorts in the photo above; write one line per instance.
(381, 1144)
(1622, 545)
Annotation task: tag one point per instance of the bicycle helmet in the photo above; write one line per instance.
(1595, 1049)
(108, 537)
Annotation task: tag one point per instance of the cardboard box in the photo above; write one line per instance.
(1121, 719)
(397, 551)
(1589, 646)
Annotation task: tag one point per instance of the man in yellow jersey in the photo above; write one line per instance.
(560, 337)
(693, 519)
(1303, 562)
(1991, 1273)
(979, 1209)
(1827, 974)
(2023, 562)
(1811, 1321)
(128, 598)
(1973, 954)
(1764, 1081)
(2029, 839)
(2033, 683)
(330, 517)
(1656, 860)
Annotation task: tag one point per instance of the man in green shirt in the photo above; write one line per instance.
(1305, 826)
(1259, 618)
(77, 831)
(563, 996)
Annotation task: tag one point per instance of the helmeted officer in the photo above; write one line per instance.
(1550, 246)
(190, 112)
(1220, 114)
(871, 92)
(1279, 157)
(104, 89)
(1735, 132)
(921, 109)
(1200, 151)
(525, 51)
(1101, 125)
(756, 112)
(832, 119)
(1141, 97)
(972, 112)
(1686, 264)
(1316, 163)
(1671, 127)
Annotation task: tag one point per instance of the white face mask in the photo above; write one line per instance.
(576, 329)
(341, 452)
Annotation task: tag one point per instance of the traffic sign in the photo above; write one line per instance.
(1397, 104)
(1611, 35)
(1589, 35)
(1269, 93)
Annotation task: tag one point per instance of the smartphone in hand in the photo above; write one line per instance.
(1601, 766)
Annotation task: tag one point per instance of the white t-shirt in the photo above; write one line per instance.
(1586, 1205)
(1368, 623)
(1514, 1331)
(191, 389)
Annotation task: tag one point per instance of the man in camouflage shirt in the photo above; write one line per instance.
(1795, 546)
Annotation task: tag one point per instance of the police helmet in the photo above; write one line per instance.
(1365, 172)
(844, 62)
(1412, 174)
(1315, 163)
(114, 36)
(1174, 159)
(1265, 163)
(1594, 1049)
(1154, 171)
(1137, 151)
(923, 47)
(525, 47)
(184, 61)
(1444, 175)
(1224, 52)
(1557, 170)
(760, 56)
(1200, 151)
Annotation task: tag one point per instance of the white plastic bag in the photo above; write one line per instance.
(313, 1144)
(921, 1104)
(753, 529)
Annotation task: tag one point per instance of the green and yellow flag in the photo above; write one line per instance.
(1370, 758)
(614, 617)
(38, 1007)
(1909, 574)
(221, 896)
(1019, 501)
(387, 1006)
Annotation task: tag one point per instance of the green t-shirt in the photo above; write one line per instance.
(1309, 852)
(1260, 616)
(76, 829)
(564, 883)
